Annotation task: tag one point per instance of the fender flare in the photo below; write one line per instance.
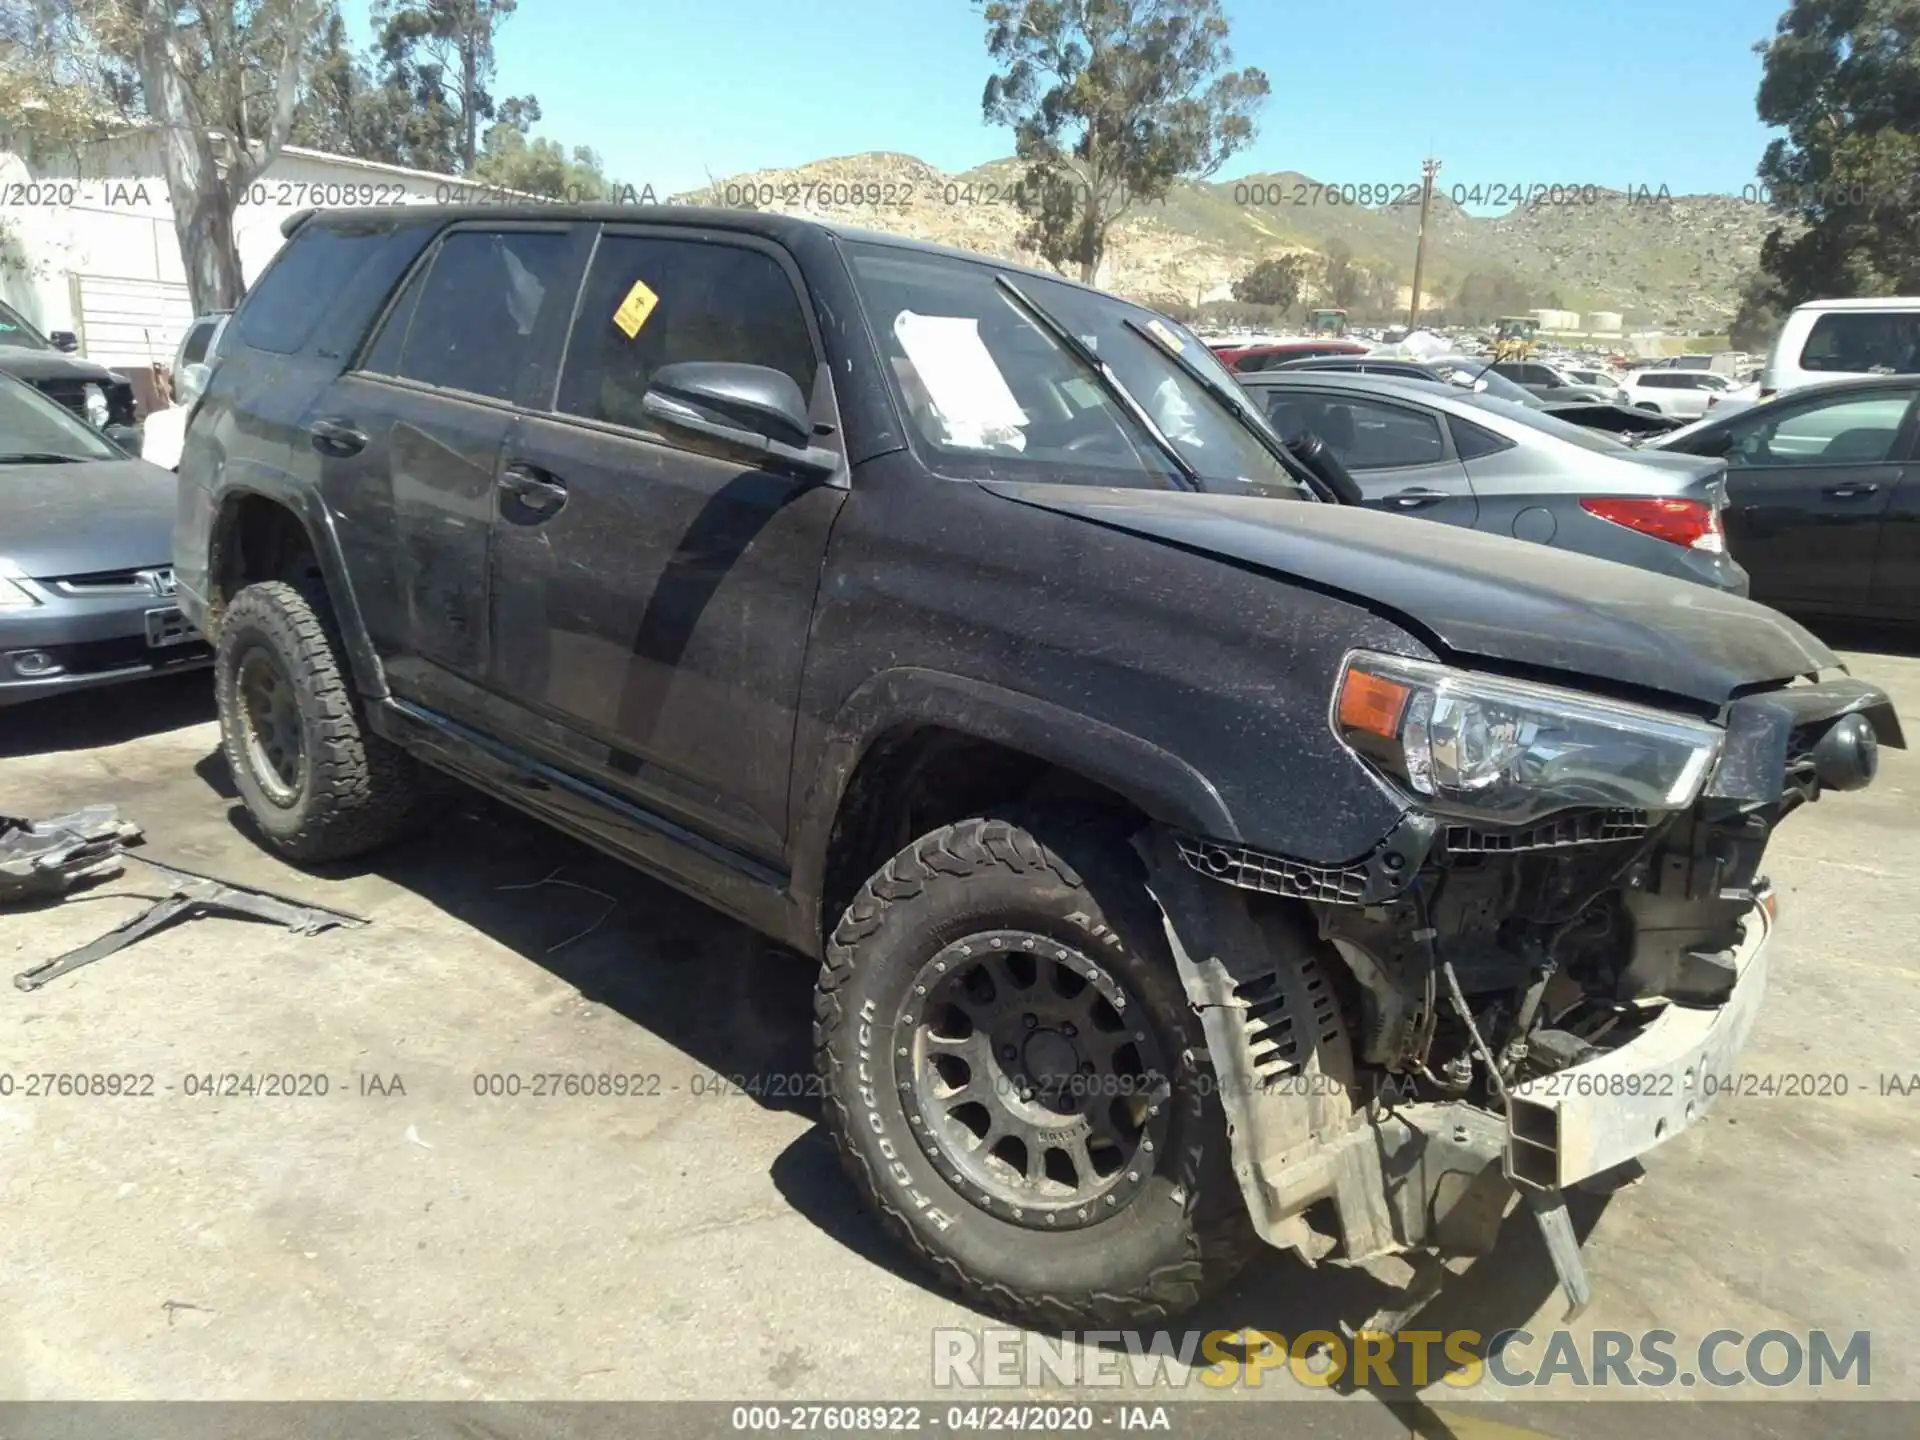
(306, 506)
(1166, 787)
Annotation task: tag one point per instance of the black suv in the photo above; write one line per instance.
(1191, 862)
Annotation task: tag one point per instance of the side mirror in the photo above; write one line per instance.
(127, 437)
(749, 406)
(192, 384)
(1313, 452)
(65, 340)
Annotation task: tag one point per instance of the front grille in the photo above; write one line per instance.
(72, 395)
(157, 581)
(1582, 827)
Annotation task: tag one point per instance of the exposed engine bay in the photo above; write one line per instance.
(1405, 1043)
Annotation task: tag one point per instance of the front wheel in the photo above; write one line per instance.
(1012, 1076)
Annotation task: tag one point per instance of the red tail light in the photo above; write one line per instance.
(1692, 523)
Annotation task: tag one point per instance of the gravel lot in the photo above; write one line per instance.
(698, 1241)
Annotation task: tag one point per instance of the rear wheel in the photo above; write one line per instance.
(317, 782)
(1012, 1077)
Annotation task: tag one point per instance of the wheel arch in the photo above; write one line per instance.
(987, 745)
(267, 528)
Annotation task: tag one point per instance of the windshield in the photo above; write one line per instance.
(1474, 375)
(31, 424)
(995, 395)
(15, 331)
(1596, 440)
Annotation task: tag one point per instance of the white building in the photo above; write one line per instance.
(87, 242)
(1604, 322)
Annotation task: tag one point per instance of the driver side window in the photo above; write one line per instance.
(1858, 430)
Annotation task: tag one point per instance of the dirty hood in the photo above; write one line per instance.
(82, 518)
(1478, 595)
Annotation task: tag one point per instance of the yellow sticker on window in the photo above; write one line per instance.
(1165, 336)
(635, 309)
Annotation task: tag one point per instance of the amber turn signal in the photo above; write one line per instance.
(1373, 704)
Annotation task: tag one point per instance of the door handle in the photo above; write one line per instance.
(534, 488)
(1853, 489)
(1414, 499)
(336, 437)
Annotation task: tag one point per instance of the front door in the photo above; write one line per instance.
(651, 594)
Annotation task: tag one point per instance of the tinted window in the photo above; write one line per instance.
(195, 349)
(303, 281)
(1365, 435)
(1474, 442)
(1665, 381)
(712, 302)
(469, 319)
(1859, 430)
(1865, 342)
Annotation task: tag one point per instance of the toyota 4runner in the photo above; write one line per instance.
(1191, 862)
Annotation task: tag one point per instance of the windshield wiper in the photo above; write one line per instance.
(1109, 381)
(41, 457)
(1226, 400)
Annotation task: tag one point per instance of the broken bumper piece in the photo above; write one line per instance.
(1575, 1123)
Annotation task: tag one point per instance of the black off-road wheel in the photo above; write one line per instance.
(1012, 1076)
(317, 782)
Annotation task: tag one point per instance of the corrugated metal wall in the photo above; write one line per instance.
(131, 325)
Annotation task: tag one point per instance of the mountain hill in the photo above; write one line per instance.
(1672, 261)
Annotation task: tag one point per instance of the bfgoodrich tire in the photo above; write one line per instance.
(319, 785)
(1009, 1065)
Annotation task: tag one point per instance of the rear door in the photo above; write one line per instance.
(1809, 483)
(651, 593)
(1400, 452)
(410, 441)
(1896, 565)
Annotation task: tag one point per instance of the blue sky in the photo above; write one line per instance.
(1508, 92)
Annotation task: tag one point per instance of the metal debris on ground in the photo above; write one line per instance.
(189, 897)
(50, 857)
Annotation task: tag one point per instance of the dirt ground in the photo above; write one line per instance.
(404, 1237)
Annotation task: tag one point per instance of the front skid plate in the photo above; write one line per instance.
(1577, 1122)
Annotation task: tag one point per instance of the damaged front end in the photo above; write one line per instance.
(1548, 968)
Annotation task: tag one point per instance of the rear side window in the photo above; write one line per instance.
(195, 350)
(305, 280)
(1475, 442)
(467, 320)
(710, 302)
(1865, 342)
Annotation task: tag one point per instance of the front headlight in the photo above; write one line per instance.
(1512, 752)
(95, 400)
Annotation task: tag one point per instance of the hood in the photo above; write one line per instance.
(33, 366)
(1481, 595)
(94, 515)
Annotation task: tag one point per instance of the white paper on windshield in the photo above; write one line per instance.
(962, 380)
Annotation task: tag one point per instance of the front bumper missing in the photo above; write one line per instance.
(1588, 1118)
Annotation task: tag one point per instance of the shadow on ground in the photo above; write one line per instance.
(111, 715)
(741, 1007)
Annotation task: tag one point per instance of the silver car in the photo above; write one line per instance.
(86, 536)
(1445, 453)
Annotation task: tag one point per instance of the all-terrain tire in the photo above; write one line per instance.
(1075, 881)
(357, 791)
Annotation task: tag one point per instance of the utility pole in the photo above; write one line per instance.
(1428, 169)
